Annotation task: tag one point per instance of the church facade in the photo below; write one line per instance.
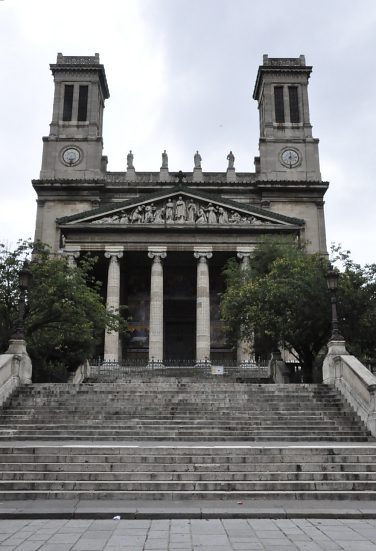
(162, 238)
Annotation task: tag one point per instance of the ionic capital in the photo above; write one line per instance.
(245, 251)
(114, 253)
(243, 256)
(203, 253)
(71, 253)
(157, 253)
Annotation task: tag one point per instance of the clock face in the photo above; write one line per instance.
(71, 156)
(290, 158)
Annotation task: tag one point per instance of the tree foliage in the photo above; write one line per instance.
(283, 298)
(65, 317)
(357, 305)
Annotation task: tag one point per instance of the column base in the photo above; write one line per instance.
(202, 364)
(248, 364)
(155, 364)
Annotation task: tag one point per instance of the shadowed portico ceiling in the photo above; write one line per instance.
(179, 206)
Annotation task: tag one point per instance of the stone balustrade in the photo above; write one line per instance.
(356, 383)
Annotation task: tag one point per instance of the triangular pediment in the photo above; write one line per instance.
(179, 206)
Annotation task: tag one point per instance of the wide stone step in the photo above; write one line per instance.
(262, 469)
(262, 432)
(265, 439)
(186, 486)
(188, 476)
(179, 425)
(189, 495)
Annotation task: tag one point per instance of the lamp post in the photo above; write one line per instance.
(24, 276)
(332, 278)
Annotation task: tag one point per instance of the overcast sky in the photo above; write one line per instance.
(181, 75)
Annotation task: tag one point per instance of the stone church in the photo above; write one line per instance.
(162, 238)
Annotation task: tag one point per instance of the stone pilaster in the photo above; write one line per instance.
(245, 348)
(203, 305)
(111, 338)
(156, 306)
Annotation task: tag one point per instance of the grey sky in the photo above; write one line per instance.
(181, 76)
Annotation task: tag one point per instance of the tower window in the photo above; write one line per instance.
(82, 103)
(294, 104)
(68, 102)
(279, 105)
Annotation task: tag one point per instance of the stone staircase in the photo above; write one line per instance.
(181, 438)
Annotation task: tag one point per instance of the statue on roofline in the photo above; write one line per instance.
(197, 160)
(130, 160)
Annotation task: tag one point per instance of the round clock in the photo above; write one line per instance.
(71, 156)
(290, 158)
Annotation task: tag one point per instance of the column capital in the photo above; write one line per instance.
(73, 253)
(202, 253)
(113, 253)
(157, 253)
(245, 251)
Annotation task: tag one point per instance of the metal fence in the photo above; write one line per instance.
(101, 370)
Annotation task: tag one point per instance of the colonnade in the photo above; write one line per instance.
(156, 345)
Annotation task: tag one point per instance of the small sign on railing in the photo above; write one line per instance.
(217, 370)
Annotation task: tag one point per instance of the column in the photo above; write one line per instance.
(245, 348)
(203, 305)
(111, 338)
(156, 306)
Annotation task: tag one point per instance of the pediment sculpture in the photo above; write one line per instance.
(178, 210)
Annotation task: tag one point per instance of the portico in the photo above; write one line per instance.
(163, 257)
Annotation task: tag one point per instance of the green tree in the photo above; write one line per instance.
(282, 298)
(357, 305)
(66, 316)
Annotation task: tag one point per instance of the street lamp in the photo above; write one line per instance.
(332, 278)
(24, 279)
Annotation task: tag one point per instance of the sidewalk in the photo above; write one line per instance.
(188, 535)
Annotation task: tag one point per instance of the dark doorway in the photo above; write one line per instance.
(179, 307)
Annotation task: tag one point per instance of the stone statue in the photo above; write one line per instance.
(180, 210)
(234, 217)
(212, 217)
(222, 216)
(149, 215)
(197, 159)
(192, 211)
(169, 211)
(164, 160)
(137, 216)
(158, 219)
(201, 216)
(130, 160)
(124, 218)
(231, 159)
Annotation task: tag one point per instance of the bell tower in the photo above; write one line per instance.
(73, 149)
(287, 149)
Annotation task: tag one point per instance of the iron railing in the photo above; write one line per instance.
(111, 370)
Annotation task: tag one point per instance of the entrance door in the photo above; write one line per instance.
(180, 330)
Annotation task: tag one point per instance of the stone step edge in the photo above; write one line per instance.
(105, 447)
(181, 495)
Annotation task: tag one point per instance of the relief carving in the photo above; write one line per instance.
(181, 211)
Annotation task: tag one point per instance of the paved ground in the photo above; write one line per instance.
(188, 535)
